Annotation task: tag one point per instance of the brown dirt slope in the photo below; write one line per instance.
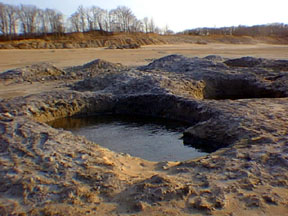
(83, 40)
(95, 39)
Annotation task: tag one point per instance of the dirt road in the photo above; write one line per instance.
(69, 57)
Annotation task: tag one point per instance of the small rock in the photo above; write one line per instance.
(269, 199)
(140, 206)
(252, 201)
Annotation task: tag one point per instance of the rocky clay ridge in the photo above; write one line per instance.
(49, 171)
(211, 77)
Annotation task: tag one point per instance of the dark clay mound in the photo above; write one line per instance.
(201, 78)
(32, 73)
(250, 62)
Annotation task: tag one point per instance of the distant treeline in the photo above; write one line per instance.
(273, 30)
(30, 21)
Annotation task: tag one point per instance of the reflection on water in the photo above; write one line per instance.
(149, 138)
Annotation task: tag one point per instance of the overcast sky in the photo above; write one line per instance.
(183, 14)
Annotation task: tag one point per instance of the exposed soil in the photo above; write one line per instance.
(14, 58)
(52, 172)
(123, 40)
(85, 40)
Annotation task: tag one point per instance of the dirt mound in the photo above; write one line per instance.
(37, 72)
(277, 65)
(244, 62)
(181, 64)
(137, 82)
(101, 64)
(128, 46)
(198, 78)
(215, 58)
(223, 81)
(47, 72)
(94, 68)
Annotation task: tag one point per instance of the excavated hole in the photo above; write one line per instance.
(234, 89)
(150, 108)
(150, 138)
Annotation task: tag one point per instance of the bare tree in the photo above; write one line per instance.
(137, 26)
(3, 19)
(107, 20)
(56, 21)
(167, 31)
(12, 15)
(82, 17)
(151, 26)
(123, 18)
(28, 18)
(114, 24)
(96, 18)
(8, 19)
(44, 21)
(157, 30)
(146, 24)
(75, 22)
(89, 18)
(78, 20)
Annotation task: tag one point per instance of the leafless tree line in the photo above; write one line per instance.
(274, 29)
(30, 20)
(120, 19)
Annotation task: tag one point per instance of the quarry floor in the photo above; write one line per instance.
(13, 58)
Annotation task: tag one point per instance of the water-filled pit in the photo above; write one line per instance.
(150, 138)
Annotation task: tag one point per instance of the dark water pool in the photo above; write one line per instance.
(149, 138)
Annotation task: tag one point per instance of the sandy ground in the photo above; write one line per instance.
(139, 173)
(70, 57)
(24, 89)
